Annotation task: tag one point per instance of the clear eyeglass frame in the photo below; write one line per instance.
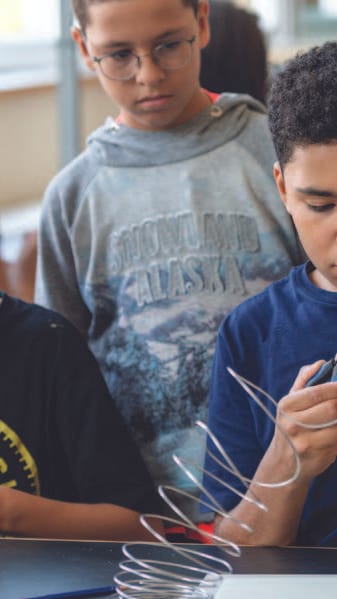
(166, 56)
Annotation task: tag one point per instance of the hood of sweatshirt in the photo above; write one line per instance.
(118, 145)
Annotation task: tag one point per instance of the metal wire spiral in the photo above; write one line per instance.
(181, 572)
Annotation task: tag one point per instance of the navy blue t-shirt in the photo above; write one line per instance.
(267, 339)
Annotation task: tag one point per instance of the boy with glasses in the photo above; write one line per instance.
(166, 220)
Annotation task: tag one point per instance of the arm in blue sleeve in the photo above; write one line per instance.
(231, 415)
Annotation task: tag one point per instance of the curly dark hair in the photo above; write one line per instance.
(235, 60)
(302, 103)
(80, 9)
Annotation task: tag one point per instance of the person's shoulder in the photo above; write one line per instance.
(39, 322)
(242, 119)
(65, 191)
(74, 177)
(255, 311)
(248, 112)
(71, 176)
(241, 104)
(277, 290)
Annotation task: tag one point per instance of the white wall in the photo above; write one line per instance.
(29, 137)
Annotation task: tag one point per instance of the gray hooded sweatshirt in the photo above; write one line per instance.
(147, 240)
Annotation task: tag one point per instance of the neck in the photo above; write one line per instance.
(318, 279)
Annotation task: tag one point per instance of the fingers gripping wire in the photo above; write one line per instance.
(249, 386)
(178, 570)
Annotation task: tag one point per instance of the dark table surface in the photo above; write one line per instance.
(33, 567)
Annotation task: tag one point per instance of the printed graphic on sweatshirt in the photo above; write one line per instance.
(171, 281)
(17, 467)
(202, 265)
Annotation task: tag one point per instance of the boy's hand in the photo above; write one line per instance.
(316, 448)
(303, 407)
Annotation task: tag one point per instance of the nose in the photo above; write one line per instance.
(148, 71)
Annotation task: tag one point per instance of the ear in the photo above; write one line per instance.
(280, 183)
(204, 31)
(79, 40)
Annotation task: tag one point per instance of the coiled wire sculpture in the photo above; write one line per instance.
(184, 572)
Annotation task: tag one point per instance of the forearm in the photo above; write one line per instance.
(22, 514)
(279, 524)
(298, 415)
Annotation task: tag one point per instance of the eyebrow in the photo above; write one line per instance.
(118, 44)
(313, 191)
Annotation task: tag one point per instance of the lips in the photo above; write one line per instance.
(154, 101)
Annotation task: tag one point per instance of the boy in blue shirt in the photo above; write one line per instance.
(268, 338)
(166, 219)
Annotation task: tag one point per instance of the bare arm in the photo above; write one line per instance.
(317, 449)
(22, 514)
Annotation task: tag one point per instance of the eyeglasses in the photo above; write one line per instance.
(122, 65)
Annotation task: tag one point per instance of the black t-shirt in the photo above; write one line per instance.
(60, 434)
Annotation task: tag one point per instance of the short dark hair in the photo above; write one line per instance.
(302, 103)
(80, 9)
(235, 59)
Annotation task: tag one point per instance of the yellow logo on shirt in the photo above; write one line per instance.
(18, 469)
